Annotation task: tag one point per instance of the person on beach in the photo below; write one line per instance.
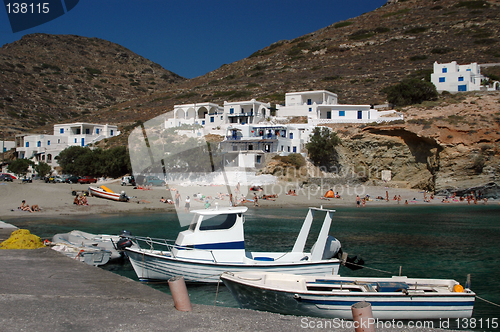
(358, 201)
(187, 205)
(255, 200)
(177, 199)
(26, 207)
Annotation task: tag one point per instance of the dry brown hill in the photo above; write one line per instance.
(47, 79)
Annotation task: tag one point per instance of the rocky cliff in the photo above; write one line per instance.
(444, 146)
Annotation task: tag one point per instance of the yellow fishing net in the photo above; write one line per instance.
(22, 239)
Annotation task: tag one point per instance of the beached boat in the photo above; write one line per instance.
(333, 296)
(104, 192)
(214, 243)
(90, 248)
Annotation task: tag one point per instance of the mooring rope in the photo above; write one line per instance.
(498, 305)
(367, 267)
(217, 291)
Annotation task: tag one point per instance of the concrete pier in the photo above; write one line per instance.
(43, 290)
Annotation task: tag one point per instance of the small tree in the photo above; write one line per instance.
(42, 169)
(321, 147)
(20, 166)
(410, 91)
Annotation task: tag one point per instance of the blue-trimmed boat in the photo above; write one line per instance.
(214, 243)
(333, 296)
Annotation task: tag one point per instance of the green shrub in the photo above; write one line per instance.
(294, 159)
(410, 91)
(382, 30)
(331, 78)
(402, 11)
(415, 30)
(342, 24)
(361, 34)
(479, 4)
(321, 147)
(93, 71)
(418, 57)
(485, 41)
(441, 50)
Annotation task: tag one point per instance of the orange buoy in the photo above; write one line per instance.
(458, 288)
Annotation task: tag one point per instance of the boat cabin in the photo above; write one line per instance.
(218, 232)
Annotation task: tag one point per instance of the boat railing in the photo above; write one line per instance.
(169, 244)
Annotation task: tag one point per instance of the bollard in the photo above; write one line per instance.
(363, 317)
(179, 293)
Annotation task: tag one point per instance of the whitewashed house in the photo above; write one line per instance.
(247, 145)
(196, 114)
(7, 145)
(453, 77)
(321, 107)
(214, 118)
(46, 147)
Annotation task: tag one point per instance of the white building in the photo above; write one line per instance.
(321, 107)
(46, 147)
(7, 145)
(195, 114)
(453, 77)
(215, 118)
(247, 145)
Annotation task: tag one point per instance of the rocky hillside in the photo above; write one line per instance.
(47, 79)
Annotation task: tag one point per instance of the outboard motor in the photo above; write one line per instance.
(124, 242)
(123, 197)
(332, 247)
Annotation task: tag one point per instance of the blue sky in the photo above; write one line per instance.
(192, 38)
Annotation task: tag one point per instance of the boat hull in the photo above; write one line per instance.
(150, 266)
(384, 306)
(96, 192)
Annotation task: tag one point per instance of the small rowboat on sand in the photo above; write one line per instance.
(105, 192)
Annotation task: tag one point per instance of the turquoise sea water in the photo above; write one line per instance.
(426, 241)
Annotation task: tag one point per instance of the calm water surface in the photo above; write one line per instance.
(426, 241)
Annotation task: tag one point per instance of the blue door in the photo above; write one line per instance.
(462, 87)
(360, 114)
(83, 141)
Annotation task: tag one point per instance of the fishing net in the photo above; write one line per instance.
(22, 239)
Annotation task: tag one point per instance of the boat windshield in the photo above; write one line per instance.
(218, 222)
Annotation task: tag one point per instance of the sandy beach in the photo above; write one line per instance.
(57, 198)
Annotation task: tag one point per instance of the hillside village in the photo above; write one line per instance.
(278, 120)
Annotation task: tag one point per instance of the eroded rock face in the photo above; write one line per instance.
(454, 147)
(412, 160)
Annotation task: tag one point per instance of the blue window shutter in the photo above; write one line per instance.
(441, 80)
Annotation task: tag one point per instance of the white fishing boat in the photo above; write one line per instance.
(214, 243)
(104, 192)
(91, 248)
(333, 296)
